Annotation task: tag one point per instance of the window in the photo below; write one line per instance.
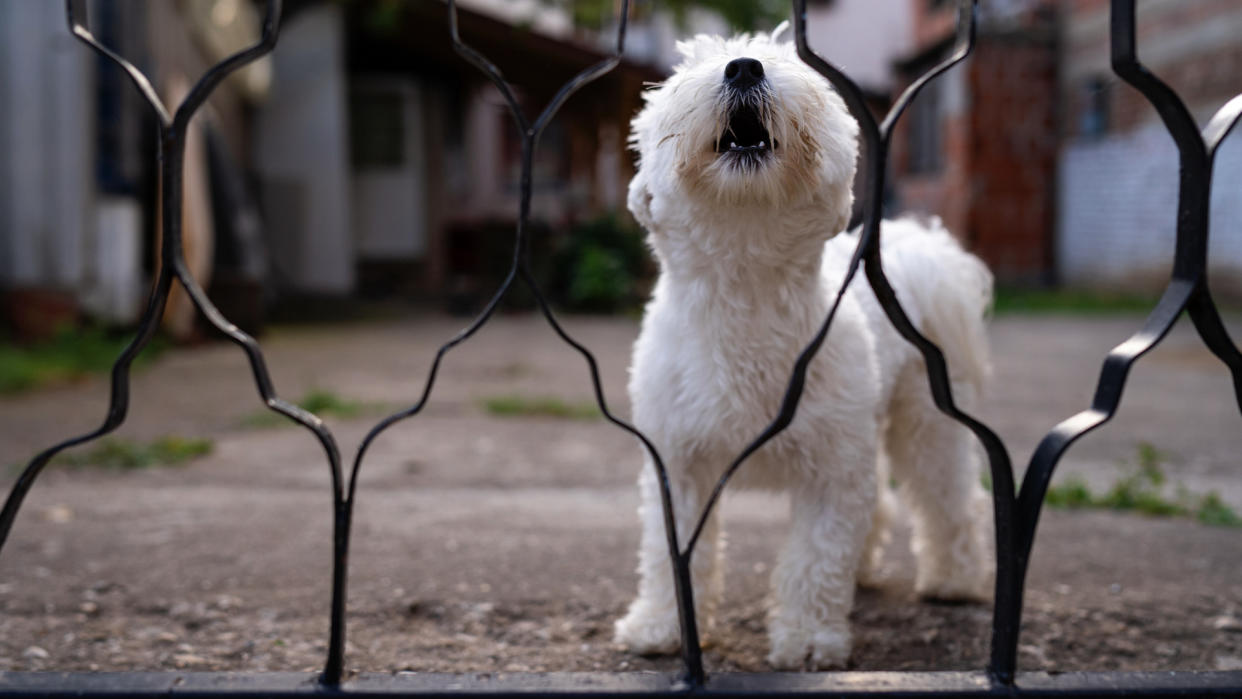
(925, 143)
(376, 129)
(1095, 114)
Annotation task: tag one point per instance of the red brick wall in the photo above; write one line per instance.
(945, 193)
(1013, 162)
(996, 188)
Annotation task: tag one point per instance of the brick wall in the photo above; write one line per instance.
(1117, 190)
(995, 186)
(944, 191)
(1013, 161)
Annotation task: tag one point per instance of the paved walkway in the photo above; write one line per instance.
(487, 542)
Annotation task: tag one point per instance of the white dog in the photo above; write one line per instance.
(747, 158)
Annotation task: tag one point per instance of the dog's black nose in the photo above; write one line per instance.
(742, 73)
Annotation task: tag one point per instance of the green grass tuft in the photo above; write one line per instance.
(1069, 301)
(321, 402)
(70, 356)
(123, 454)
(1143, 491)
(522, 406)
(1211, 510)
(1072, 494)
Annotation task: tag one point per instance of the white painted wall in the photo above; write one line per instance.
(390, 204)
(47, 163)
(862, 37)
(302, 155)
(1118, 211)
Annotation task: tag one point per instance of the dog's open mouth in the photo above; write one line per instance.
(745, 134)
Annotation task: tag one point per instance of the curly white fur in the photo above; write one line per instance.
(749, 261)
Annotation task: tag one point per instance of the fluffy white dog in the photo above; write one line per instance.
(747, 158)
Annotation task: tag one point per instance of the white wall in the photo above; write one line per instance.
(46, 129)
(1118, 211)
(863, 37)
(302, 154)
(390, 203)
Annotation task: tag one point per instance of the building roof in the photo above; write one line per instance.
(419, 34)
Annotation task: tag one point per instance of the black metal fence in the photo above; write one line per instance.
(1016, 507)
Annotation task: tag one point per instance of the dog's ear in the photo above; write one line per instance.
(779, 33)
(638, 200)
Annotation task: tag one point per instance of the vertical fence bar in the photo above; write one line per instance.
(1016, 515)
(173, 127)
(1187, 289)
(877, 139)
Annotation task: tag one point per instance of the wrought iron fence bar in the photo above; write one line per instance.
(171, 154)
(891, 685)
(1187, 289)
(530, 132)
(76, 14)
(1016, 515)
(876, 139)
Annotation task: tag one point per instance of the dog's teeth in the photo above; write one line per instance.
(762, 144)
(732, 144)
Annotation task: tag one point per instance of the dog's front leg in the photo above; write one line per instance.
(651, 626)
(813, 583)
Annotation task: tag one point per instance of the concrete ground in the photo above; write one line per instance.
(486, 543)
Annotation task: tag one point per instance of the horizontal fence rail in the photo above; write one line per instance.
(1016, 506)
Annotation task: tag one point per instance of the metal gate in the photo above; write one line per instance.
(1016, 506)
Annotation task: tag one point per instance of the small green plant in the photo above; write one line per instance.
(1143, 490)
(123, 454)
(321, 402)
(71, 355)
(1211, 510)
(1072, 494)
(522, 406)
(599, 266)
(1069, 301)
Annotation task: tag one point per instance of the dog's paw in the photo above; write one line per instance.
(823, 648)
(645, 632)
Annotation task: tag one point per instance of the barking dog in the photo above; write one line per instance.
(747, 158)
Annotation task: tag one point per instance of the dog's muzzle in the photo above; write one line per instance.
(745, 135)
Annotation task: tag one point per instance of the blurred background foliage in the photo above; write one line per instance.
(742, 15)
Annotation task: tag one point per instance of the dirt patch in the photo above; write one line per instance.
(486, 543)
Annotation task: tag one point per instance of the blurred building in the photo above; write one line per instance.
(1118, 171)
(363, 156)
(78, 179)
(978, 146)
(1047, 165)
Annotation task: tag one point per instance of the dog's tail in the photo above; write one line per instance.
(947, 292)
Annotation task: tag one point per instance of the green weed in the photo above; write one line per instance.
(1072, 494)
(123, 454)
(522, 406)
(1143, 490)
(70, 356)
(1069, 301)
(1211, 510)
(321, 402)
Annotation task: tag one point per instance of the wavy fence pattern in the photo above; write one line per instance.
(1016, 506)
